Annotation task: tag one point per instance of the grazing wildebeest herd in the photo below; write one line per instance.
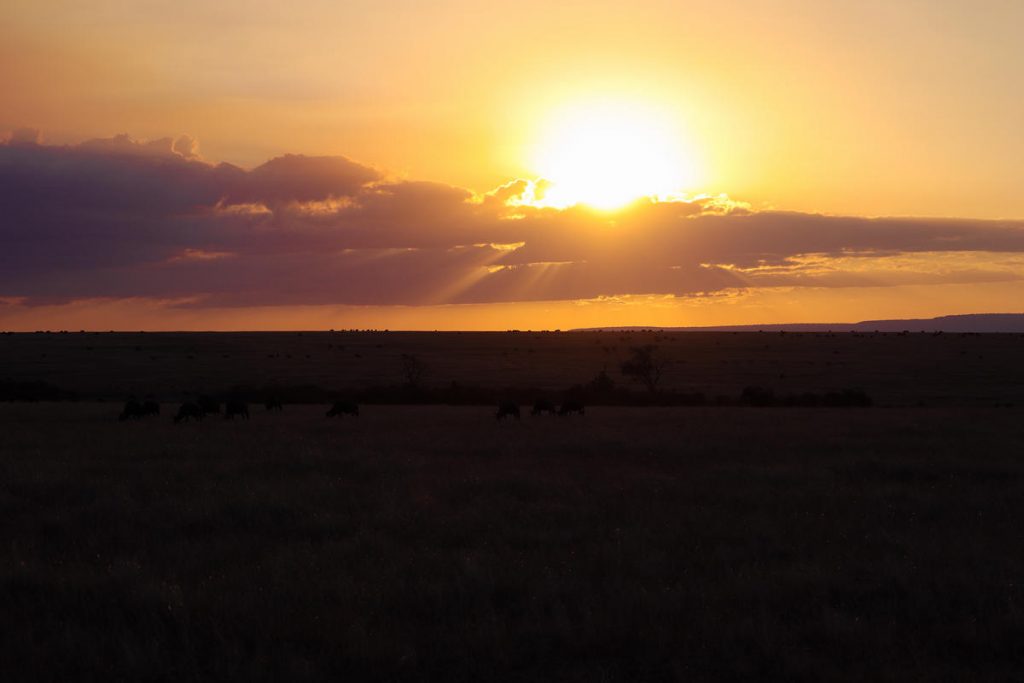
(541, 406)
(234, 407)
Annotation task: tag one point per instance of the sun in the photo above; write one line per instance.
(608, 154)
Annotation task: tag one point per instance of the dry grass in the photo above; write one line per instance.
(432, 543)
(945, 370)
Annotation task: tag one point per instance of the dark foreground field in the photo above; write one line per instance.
(432, 543)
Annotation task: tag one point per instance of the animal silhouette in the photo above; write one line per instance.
(208, 404)
(570, 407)
(543, 406)
(343, 408)
(236, 407)
(189, 411)
(273, 404)
(507, 409)
(132, 410)
(136, 410)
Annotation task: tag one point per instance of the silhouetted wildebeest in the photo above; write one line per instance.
(135, 410)
(542, 406)
(273, 404)
(132, 410)
(235, 407)
(208, 404)
(343, 408)
(507, 409)
(189, 411)
(570, 407)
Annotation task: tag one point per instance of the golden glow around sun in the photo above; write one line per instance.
(606, 155)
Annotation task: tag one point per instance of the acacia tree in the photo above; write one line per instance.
(413, 370)
(645, 365)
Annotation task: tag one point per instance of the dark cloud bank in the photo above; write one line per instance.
(118, 218)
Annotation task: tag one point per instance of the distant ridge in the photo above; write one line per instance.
(976, 322)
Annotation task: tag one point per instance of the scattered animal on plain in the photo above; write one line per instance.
(136, 410)
(189, 411)
(343, 408)
(543, 407)
(132, 410)
(273, 404)
(571, 407)
(208, 404)
(507, 409)
(236, 407)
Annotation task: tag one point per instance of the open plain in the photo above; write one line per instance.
(433, 542)
(964, 370)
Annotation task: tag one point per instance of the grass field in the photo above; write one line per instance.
(946, 370)
(434, 543)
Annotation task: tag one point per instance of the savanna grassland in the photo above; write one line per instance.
(436, 543)
(894, 369)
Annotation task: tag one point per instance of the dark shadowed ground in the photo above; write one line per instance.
(435, 543)
(894, 369)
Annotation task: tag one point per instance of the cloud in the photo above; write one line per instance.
(186, 146)
(25, 136)
(121, 218)
(296, 178)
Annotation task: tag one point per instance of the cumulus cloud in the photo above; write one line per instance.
(297, 178)
(186, 146)
(118, 218)
(25, 136)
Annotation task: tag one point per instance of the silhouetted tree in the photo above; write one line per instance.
(601, 384)
(645, 365)
(413, 370)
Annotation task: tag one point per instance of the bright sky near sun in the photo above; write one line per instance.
(608, 153)
(472, 164)
(875, 107)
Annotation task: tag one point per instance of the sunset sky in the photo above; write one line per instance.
(474, 165)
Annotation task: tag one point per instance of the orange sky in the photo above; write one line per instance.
(839, 108)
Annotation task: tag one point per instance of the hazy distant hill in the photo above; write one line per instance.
(979, 322)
